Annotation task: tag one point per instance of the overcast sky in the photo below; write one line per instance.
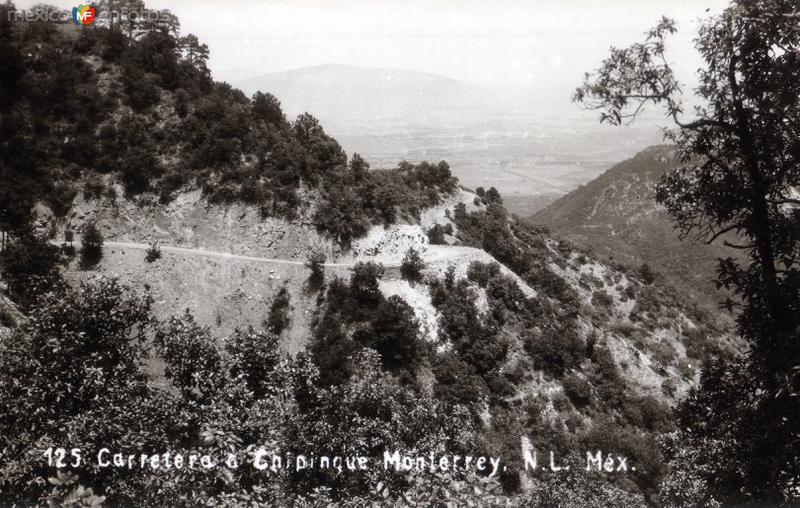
(540, 44)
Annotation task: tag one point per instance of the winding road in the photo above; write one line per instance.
(433, 254)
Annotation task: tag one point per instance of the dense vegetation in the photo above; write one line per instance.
(92, 367)
(83, 103)
(739, 174)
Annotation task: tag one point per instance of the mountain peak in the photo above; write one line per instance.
(338, 92)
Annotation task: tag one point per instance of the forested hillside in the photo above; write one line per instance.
(616, 215)
(483, 336)
(84, 108)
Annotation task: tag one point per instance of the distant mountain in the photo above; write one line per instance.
(339, 92)
(617, 216)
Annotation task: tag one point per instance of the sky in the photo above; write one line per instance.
(504, 44)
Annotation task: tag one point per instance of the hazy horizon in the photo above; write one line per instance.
(524, 135)
(538, 49)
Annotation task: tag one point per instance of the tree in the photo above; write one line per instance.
(740, 158)
(412, 266)
(341, 216)
(647, 274)
(359, 167)
(267, 108)
(364, 284)
(11, 60)
(316, 263)
(121, 14)
(91, 246)
(253, 356)
(194, 53)
(29, 265)
(191, 357)
(493, 196)
(74, 371)
(162, 21)
(393, 334)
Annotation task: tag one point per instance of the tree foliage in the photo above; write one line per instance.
(740, 156)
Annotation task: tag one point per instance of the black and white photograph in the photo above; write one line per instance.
(400, 253)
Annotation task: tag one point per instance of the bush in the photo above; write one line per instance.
(153, 253)
(602, 300)
(341, 216)
(556, 351)
(577, 389)
(191, 357)
(437, 232)
(647, 274)
(649, 413)
(278, 319)
(253, 356)
(436, 235)
(485, 352)
(93, 189)
(412, 266)
(481, 273)
(315, 261)
(456, 382)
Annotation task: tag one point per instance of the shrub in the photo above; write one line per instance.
(191, 357)
(649, 413)
(647, 274)
(577, 389)
(484, 351)
(481, 273)
(341, 216)
(93, 189)
(457, 382)
(412, 266)
(436, 235)
(602, 300)
(663, 353)
(315, 261)
(499, 385)
(153, 253)
(278, 319)
(253, 355)
(6, 316)
(556, 351)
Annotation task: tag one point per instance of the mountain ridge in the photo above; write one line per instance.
(616, 215)
(338, 92)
